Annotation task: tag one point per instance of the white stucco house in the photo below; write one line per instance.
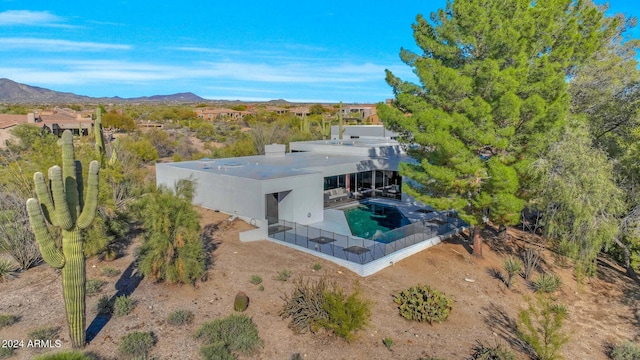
(294, 186)
(301, 199)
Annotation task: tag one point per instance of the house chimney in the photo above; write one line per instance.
(31, 118)
(275, 150)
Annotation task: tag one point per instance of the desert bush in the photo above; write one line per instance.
(241, 302)
(93, 286)
(137, 344)
(16, 237)
(387, 342)
(316, 267)
(110, 272)
(530, 260)
(540, 326)
(44, 333)
(104, 305)
(261, 288)
(7, 319)
(255, 279)
(346, 313)
(216, 351)
(626, 351)
(6, 352)
(421, 303)
(283, 275)
(173, 250)
(65, 355)
(512, 266)
(122, 306)
(7, 269)
(547, 283)
(495, 352)
(312, 305)
(235, 333)
(296, 356)
(305, 305)
(180, 317)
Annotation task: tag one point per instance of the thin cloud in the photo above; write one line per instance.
(205, 50)
(55, 45)
(31, 18)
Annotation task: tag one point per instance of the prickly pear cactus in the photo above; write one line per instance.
(60, 203)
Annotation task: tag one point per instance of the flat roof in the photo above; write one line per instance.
(263, 167)
(321, 154)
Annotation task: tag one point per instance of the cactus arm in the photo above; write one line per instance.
(69, 173)
(63, 216)
(89, 211)
(44, 196)
(50, 253)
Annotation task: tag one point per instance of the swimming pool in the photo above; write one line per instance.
(368, 218)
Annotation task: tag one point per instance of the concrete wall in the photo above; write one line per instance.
(305, 203)
(246, 197)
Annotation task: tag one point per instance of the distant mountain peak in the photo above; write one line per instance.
(14, 92)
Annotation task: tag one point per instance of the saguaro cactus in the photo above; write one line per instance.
(61, 204)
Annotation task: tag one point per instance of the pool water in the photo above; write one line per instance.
(369, 218)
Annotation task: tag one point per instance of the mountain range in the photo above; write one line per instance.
(13, 92)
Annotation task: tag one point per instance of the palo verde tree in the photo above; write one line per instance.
(492, 97)
(62, 204)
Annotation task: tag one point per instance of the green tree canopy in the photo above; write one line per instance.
(492, 97)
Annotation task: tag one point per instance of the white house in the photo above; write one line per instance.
(295, 186)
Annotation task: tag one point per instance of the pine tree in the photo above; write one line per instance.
(492, 97)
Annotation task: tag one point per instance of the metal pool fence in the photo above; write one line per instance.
(359, 250)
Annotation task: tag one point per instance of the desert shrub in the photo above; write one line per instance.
(241, 302)
(530, 260)
(122, 306)
(7, 269)
(93, 286)
(540, 326)
(104, 305)
(261, 288)
(512, 266)
(626, 351)
(137, 344)
(16, 237)
(495, 352)
(216, 351)
(316, 266)
(547, 283)
(421, 303)
(255, 279)
(296, 356)
(7, 319)
(235, 333)
(387, 342)
(44, 333)
(6, 352)
(110, 272)
(180, 317)
(283, 275)
(65, 355)
(346, 314)
(305, 305)
(173, 250)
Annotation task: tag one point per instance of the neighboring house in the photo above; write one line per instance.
(220, 114)
(56, 122)
(361, 112)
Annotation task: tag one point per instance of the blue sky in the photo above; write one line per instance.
(320, 51)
